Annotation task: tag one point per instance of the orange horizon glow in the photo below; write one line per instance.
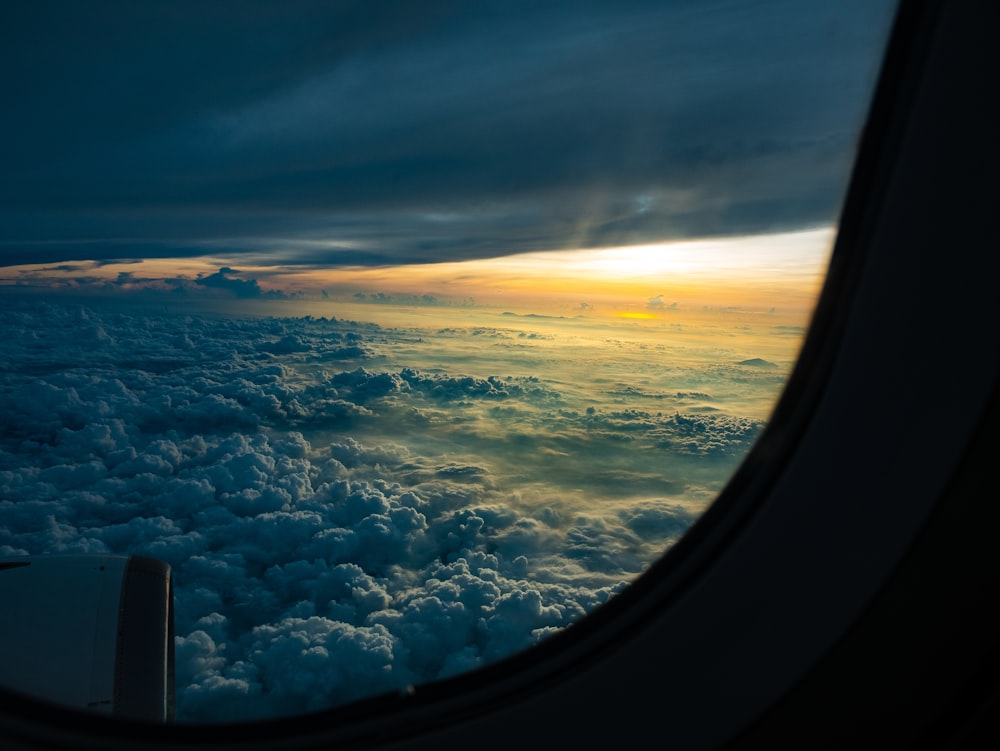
(763, 271)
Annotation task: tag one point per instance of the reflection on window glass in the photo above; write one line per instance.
(406, 333)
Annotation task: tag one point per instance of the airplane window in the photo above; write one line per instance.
(405, 334)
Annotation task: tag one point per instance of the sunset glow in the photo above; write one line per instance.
(767, 271)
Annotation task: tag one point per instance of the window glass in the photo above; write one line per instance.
(406, 333)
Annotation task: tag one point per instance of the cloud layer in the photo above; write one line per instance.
(340, 525)
(342, 134)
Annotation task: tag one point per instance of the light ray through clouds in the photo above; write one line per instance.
(406, 333)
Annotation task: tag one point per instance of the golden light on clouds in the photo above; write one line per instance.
(779, 270)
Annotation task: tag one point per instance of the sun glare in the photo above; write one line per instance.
(639, 282)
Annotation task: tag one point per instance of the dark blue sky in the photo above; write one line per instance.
(325, 133)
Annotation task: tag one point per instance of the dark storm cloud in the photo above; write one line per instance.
(402, 132)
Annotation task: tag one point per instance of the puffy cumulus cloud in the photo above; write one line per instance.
(492, 388)
(319, 554)
(696, 434)
(229, 279)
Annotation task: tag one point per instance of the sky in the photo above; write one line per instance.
(406, 333)
(317, 135)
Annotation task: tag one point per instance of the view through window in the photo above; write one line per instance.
(406, 333)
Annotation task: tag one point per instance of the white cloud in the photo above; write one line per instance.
(321, 552)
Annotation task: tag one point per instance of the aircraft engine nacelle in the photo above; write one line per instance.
(93, 632)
